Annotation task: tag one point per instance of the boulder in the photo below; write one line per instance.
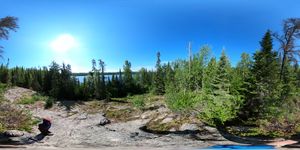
(103, 121)
(211, 129)
(13, 133)
(189, 127)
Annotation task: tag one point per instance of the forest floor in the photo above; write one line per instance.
(76, 125)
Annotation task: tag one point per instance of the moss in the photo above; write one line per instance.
(156, 125)
(121, 114)
(93, 107)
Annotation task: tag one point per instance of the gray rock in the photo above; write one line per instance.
(134, 134)
(13, 133)
(172, 130)
(147, 114)
(211, 137)
(211, 129)
(189, 127)
(160, 116)
(82, 116)
(103, 121)
(167, 119)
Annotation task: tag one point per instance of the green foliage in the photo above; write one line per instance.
(138, 102)
(144, 79)
(197, 68)
(12, 118)
(159, 85)
(49, 103)
(127, 78)
(209, 73)
(27, 100)
(240, 75)
(183, 102)
(32, 99)
(217, 104)
(216, 110)
(265, 86)
(4, 74)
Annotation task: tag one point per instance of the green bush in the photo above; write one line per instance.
(216, 110)
(182, 102)
(32, 99)
(12, 118)
(284, 121)
(49, 103)
(138, 102)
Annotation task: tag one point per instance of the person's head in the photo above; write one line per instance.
(46, 119)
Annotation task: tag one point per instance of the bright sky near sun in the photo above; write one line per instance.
(76, 31)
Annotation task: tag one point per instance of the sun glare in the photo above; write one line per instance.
(63, 43)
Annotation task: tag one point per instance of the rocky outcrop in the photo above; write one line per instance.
(13, 133)
(189, 127)
(103, 120)
(15, 137)
(16, 93)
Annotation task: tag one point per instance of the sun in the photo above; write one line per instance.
(64, 43)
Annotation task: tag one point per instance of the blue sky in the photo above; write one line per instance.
(134, 30)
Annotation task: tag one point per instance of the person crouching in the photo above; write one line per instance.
(45, 126)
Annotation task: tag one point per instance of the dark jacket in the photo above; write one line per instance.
(45, 126)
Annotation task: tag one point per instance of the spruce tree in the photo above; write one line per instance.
(220, 104)
(265, 73)
(127, 78)
(210, 73)
(159, 86)
(241, 75)
(198, 63)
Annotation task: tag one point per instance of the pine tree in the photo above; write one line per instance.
(241, 75)
(223, 78)
(103, 92)
(54, 80)
(4, 74)
(127, 78)
(265, 73)
(210, 73)
(144, 79)
(220, 104)
(199, 62)
(170, 75)
(159, 86)
(288, 80)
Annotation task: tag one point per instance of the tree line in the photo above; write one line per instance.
(58, 82)
(214, 90)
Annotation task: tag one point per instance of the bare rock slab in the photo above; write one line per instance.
(189, 127)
